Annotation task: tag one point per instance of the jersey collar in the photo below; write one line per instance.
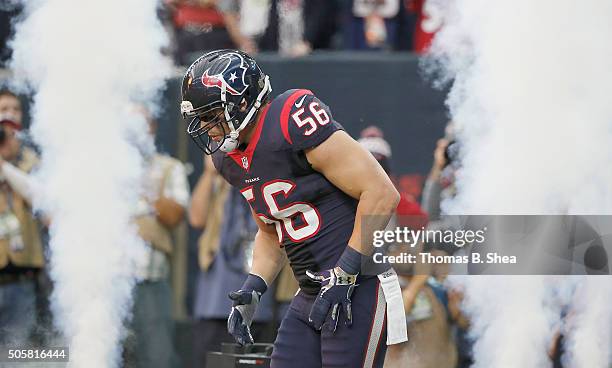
(244, 158)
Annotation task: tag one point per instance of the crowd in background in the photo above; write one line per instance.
(298, 27)
(290, 27)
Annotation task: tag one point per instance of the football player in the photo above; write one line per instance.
(309, 185)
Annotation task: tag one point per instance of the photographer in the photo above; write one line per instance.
(440, 186)
(440, 182)
(21, 252)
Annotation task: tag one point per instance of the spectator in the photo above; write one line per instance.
(202, 25)
(440, 182)
(429, 21)
(372, 139)
(198, 26)
(160, 209)
(373, 24)
(234, 22)
(440, 185)
(296, 27)
(434, 185)
(430, 340)
(11, 112)
(21, 251)
(224, 249)
(254, 18)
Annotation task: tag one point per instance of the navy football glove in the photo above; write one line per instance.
(337, 287)
(336, 290)
(245, 304)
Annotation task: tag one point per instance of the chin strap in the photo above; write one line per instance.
(230, 142)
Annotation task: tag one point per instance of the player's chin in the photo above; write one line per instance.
(216, 138)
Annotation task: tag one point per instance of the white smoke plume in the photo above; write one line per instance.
(589, 328)
(531, 100)
(86, 61)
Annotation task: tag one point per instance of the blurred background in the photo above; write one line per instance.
(363, 59)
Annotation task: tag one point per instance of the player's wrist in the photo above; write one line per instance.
(255, 283)
(350, 261)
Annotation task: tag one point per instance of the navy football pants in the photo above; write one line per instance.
(299, 345)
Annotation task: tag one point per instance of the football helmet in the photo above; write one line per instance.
(214, 88)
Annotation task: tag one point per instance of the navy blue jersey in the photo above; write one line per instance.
(313, 218)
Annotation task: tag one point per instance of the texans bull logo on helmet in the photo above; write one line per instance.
(234, 83)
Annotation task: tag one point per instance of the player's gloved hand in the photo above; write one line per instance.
(337, 285)
(245, 304)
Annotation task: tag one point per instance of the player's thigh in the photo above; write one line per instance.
(297, 344)
(364, 343)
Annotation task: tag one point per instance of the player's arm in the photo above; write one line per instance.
(309, 127)
(268, 256)
(331, 151)
(355, 171)
(268, 259)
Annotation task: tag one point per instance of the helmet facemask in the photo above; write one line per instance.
(236, 118)
(199, 132)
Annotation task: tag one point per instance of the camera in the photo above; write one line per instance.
(451, 152)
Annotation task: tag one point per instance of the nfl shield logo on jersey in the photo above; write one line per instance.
(245, 162)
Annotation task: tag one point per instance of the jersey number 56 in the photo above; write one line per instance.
(283, 218)
(316, 113)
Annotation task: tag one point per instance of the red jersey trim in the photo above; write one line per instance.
(237, 155)
(284, 118)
